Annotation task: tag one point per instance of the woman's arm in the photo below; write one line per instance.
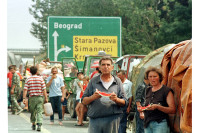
(168, 110)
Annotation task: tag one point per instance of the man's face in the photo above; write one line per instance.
(54, 71)
(12, 71)
(106, 67)
(121, 76)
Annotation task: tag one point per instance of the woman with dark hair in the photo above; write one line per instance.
(161, 101)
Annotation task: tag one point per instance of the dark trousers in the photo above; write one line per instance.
(56, 103)
(9, 97)
(123, 122)
(139, 123)
(109, 124)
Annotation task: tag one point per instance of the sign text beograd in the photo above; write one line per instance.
(67, 26)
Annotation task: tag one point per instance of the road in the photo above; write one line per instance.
(21, 124)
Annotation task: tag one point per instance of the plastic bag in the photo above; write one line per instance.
(48, 109)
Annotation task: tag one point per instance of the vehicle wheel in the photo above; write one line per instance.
(71, 104)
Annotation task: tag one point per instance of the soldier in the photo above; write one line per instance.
(15, 91)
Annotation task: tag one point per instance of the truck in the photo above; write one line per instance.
(126, 63)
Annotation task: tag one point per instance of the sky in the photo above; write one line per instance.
(15, 25)
(19, 25)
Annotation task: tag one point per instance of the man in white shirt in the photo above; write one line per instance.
(127, 86)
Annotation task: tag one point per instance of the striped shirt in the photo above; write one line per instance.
(35, 86)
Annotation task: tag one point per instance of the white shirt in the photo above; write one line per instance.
(127, 85)
(107, 84)
(78, 88)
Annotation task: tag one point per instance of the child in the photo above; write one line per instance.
(78, 84)
(82, 108)
(64, 103)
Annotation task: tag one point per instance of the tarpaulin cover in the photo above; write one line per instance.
(177, 70)
(152, 59)
(176, 64)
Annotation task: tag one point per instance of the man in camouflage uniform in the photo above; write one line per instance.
(15, 91)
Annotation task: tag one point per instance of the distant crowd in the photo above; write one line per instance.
(105, 98)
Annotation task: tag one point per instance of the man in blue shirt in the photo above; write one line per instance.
(56, 93)
(127, 85)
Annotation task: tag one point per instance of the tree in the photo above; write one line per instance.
(146, 24)
(178, 25)
(40, 11)
(142, 30)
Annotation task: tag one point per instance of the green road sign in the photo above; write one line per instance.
(80, 36)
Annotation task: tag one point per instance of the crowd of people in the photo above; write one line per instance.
(107, 114)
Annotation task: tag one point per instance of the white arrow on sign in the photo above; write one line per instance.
(62, 49)
(55, 35)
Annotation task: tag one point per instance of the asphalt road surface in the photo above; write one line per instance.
(21, 124)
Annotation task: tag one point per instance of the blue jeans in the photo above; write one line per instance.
(56, 103)
(123, 121)
(155, 127)
(108, 124)
(139, 123)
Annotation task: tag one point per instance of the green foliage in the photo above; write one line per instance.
(147, 24)
(178, 27)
